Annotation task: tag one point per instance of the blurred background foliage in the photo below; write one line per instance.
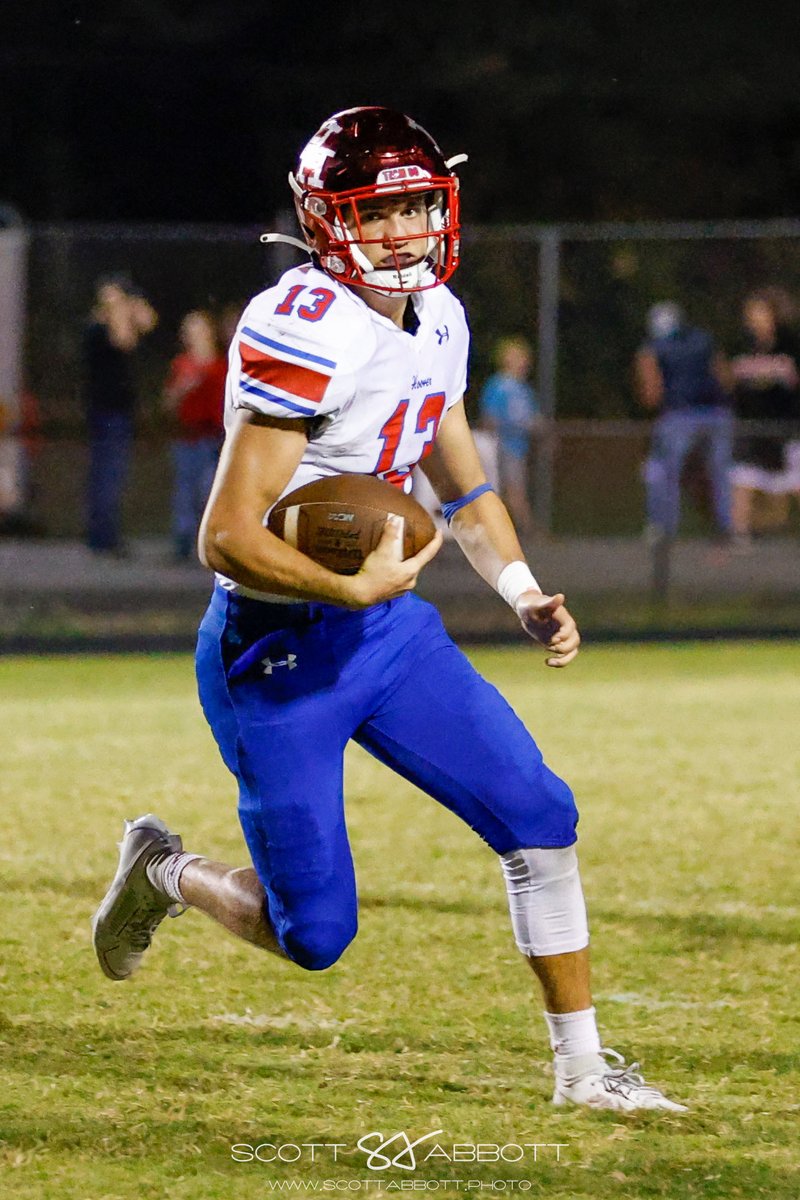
(178, 110)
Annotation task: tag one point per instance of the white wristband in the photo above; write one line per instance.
(513, 580)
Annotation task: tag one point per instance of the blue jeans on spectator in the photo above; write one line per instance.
(675, 434)
(195, 464)
(110, 445)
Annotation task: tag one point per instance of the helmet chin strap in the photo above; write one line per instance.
(386, 281)
(266, 238)
(390, 282)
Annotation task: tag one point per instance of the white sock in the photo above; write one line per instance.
(574, 1040)
(165, 873)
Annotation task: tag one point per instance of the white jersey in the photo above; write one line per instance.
(310, 348)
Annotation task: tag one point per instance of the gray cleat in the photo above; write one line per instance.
(132, 909)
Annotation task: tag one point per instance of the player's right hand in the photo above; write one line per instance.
(384, 573)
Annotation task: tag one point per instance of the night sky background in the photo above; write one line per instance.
(163, 110)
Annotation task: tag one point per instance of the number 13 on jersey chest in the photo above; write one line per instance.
(382, 436)
(408, 434)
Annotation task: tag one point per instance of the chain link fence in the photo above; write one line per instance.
(579, 293)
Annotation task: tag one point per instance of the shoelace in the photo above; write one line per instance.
(139, 939)
(624, 1074)
(623, 1071)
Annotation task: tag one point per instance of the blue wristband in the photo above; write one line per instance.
(452, 506)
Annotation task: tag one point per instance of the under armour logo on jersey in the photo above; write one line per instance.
(443, 334)
(269, 664)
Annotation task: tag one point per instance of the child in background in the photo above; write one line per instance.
(509, 410)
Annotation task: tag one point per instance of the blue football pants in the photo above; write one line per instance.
(285, 687)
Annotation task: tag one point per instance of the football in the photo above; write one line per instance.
(338, 520)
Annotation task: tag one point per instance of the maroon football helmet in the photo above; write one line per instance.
(367, 154)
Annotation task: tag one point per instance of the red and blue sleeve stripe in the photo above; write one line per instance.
(245, 385)
(284, 349)
(288, 377)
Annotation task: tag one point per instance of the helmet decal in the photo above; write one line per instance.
(315, 154)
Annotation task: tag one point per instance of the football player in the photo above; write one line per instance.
(357, 362)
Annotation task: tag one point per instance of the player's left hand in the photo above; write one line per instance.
(546, 620)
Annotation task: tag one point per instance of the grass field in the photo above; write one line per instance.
(685, 761)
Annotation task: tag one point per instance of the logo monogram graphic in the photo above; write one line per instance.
(443, 334)
(404, 1159)
(269, 664)
(315, 156)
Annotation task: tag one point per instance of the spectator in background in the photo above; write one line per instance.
(766, 376)
(683, 378)
(509, 410)
(120, 318)
(228, 321)
(19, 443)
(10, 491)
(194, 395)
